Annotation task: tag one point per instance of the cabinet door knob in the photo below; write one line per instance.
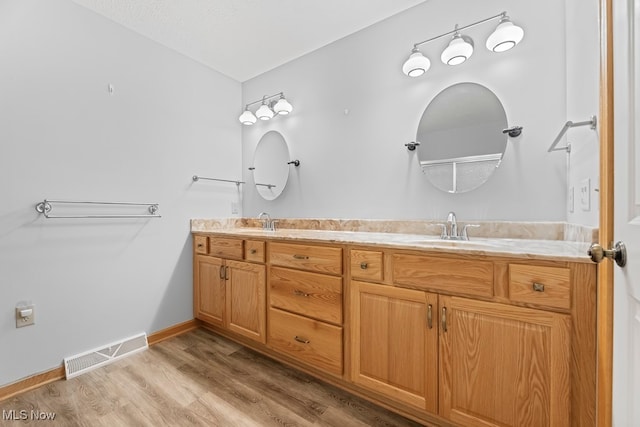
(222, 272)
(253, 251)
(538, 287)
(430, 316)
(364, 265)
(302, 340)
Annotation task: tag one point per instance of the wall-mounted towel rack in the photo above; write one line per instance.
(593, 123)
(197, 178)
(269, 186)
(46, 206)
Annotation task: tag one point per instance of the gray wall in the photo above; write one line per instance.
(583, 92)
(62, 136)
(355, 165)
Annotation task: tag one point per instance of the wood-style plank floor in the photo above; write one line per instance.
(196, 379)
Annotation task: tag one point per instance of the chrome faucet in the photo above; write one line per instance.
(268, 224)
(450, 229)
(452, 225)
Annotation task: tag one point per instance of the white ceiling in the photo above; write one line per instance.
(245, 38)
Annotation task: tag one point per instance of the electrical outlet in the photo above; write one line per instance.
(571, 201)
(235, 208)
(25, 315)
(585, 194)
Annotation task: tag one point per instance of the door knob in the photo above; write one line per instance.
(617, 254)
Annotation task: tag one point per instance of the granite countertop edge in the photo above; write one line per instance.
(511, 247)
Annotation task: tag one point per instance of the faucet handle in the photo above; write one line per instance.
(443, 232)
(464, 234)
(273, 224)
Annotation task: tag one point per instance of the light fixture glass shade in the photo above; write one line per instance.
(459, 50)
(505, 36)
(416, 65)
(264, 112)
(247, 118)
(283, 107)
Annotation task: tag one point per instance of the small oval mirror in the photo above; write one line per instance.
(461, 138)
(270, 168)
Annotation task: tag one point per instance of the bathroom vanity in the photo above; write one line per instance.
(471, 333)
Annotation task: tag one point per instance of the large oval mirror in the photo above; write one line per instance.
(270, 168)
(461, 137)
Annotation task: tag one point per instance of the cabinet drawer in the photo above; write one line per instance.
(254, 250)
(307, 257)
(449, 275)
(226, 247)
(310, 341)
(549, 286)
(366, 265)
(310, 294)
(200, 245)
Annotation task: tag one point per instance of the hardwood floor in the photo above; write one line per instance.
(195, 379)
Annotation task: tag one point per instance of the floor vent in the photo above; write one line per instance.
(92, 359)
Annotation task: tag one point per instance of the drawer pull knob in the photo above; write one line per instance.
(302, 340)
(301, 293)
(200, 245)
(364, 265)
(443, 319)
(300, 257)
(430, 316)
(253, 251)
(538, 287)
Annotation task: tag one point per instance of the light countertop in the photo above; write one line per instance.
(556, 250)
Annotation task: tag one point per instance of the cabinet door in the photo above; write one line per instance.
(209, 290)
(246, 302)
(394, 338)
(503, 365)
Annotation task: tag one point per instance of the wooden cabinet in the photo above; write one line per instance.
(313, 295)
(543, 286)
(473, 362)
(209, 289)
(321, 259)
(366, 265)
(228, 293)
(394, 337)
(246, 302)
(444, 274)
(502, 365)
(305, 298)
(446, 338)
(316, 343)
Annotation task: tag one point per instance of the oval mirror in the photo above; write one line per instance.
(461, 138)
(270, 168)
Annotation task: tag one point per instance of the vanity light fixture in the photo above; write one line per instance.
(268, 109)
(460, 47)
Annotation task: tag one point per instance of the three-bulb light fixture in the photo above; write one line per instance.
(460, 47)
(269, 108)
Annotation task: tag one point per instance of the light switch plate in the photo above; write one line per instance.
(585, 195)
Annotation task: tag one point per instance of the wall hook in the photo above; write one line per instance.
(295, 163)
(411, 146)
(513, 131)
